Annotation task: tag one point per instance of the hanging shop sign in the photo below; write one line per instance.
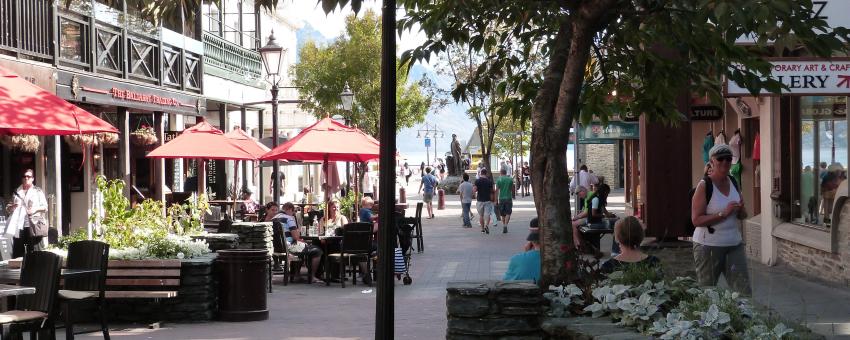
(805, 77)
(596, 132)
(706, 112)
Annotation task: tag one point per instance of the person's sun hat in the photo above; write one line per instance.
(720, 150)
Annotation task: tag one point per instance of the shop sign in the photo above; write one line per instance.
(596, 132)
(211, 173)
(834, 12)
(427, 142)
(141, 97)
(706, 112)
(806, 77)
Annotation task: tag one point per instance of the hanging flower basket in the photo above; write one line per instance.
(107, 138)
(84, 139)
(26, 143)
(144, 136)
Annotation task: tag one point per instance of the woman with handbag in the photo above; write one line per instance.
(28, 220)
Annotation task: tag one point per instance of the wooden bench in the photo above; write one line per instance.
(138, 279)
(142, 279)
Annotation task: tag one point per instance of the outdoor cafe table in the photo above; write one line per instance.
(331, 243)
(13, 276)
(227, 204)
(12, 290)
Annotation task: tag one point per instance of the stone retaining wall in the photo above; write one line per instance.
(819, 264)
(494, 310)
(253, 235)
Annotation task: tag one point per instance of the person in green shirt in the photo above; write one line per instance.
(505, 188)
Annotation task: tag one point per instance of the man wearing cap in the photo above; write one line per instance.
(526, 265)
(718, 245)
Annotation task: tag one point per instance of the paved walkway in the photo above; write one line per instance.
(311, 312)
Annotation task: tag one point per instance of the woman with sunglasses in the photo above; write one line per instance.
(718, 247)
(29, 201)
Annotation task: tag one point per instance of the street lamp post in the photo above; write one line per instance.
(430, 130)
(272, 55)
(347, 99)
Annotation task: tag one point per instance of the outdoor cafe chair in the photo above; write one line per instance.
(280, 255)
(35, 313)
(416, 233)
(356, 247)
(86, 288)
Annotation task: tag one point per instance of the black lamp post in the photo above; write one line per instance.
(347, 98)
(272, 55)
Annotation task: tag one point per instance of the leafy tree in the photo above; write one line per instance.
(355, 58)
(649, 51)
(510, 134)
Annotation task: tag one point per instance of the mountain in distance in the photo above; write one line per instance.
(305, 34)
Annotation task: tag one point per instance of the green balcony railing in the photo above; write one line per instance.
(228, 60)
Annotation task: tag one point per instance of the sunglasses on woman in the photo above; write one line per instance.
(724, 159)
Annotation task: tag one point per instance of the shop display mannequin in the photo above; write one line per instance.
(707, 144)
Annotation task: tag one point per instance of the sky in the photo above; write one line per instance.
(451, 120)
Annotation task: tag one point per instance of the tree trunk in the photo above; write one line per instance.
(555, 107)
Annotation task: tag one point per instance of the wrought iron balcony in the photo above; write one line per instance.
(225, 59)
(96, 41)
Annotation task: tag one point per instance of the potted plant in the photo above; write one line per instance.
(82, 139)
(107, 138)
(143, 136)
(26, 143)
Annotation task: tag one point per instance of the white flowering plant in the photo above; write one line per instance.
(671, 309)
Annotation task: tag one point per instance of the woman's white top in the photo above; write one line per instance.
(33, 198)
(726, 232)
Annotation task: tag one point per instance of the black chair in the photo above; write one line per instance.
(34, 313)
(85, 287)
(356, 245)
(416, 221)
(280, 255)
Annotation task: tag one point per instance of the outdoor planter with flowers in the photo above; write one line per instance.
(26, 143)
(670, 309)
(144, 136)
(143, 232)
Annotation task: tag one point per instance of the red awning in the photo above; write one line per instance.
(202, 141)
(327, 140)
(30, 110)
(245, 141)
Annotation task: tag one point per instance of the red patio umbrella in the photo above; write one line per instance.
(327, 140)
(202, 141)
(245, 141)
(28, 109)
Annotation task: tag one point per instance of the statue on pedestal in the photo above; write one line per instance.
(456, 158)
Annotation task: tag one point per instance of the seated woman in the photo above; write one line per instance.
(594, 212)
(295, 244)
(248, 206)
(628, 233)
(335, 219)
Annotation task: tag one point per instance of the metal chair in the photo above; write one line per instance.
(86, 287)
(356, 245)
(416, 221)
(280, 254)
(34, 313)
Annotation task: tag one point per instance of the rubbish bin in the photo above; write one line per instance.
(402, 195)
(242, 284)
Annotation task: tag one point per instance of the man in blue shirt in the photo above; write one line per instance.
(429, 183)
(526, 265)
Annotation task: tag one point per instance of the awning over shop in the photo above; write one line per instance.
(27, 109)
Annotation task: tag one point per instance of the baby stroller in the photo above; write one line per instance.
(404, 250)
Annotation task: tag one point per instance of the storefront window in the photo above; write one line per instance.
(71, 40)
(239, 24)
(823, 156)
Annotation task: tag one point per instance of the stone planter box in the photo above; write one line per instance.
(219, 241)
(196, 301)
(253, 235)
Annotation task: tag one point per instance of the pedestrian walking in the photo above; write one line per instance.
(505, 188)
(27, 219)
(583, 179)
(717, 209)
(465, 190)
(484, 189)
(429, 183)
(407, 173)
(526, 179)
